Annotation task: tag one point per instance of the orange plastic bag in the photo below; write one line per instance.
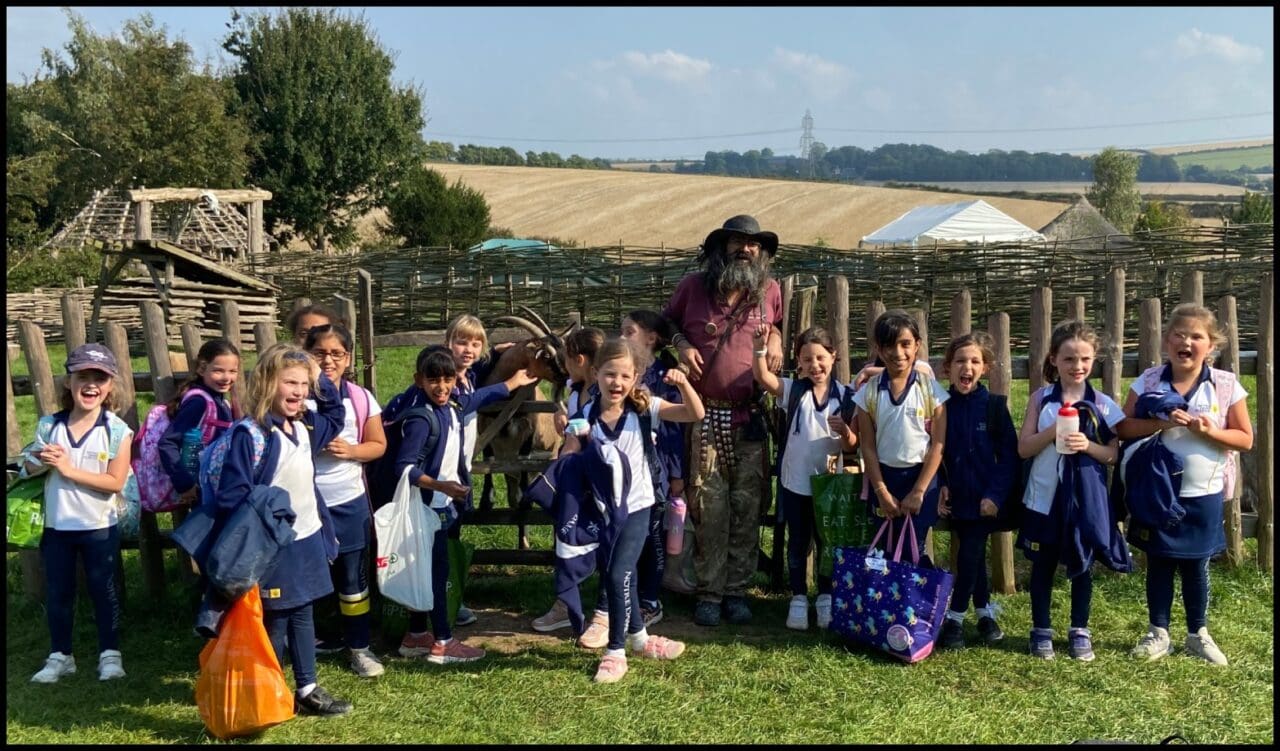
(241, 689)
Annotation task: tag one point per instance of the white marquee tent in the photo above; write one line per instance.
(968, 221)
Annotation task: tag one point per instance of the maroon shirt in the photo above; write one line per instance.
(727, 377)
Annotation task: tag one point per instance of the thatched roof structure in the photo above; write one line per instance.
(1080, 220)
(206, 226)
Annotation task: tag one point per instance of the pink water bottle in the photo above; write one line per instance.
(675, 525)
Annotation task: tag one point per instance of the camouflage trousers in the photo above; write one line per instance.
(725, 506)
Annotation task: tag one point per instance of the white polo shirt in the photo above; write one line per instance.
(1203, 461)
(1042, 483)
(295, 474)
(340, 480)
(902, 429)
(809, 440)
(69, 506)
(628, 443)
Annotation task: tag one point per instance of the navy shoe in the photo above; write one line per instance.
(736, 610)
(707, 613)
(989, 630)
(952, 636)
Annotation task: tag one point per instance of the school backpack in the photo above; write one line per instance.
(360, 403)
(1223, 380)
(1010, 516)
(214, 456)
(155, 487)
(128, 508)
(924, 382)
(381, 475)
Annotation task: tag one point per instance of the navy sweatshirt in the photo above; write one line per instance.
(969, 467)
(670, 443)
(190, 415)
(414, 430)
(239, 475)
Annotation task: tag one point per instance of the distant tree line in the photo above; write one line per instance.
(505, 156)
(914, 162)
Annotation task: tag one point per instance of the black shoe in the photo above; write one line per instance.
(329, 646)
(319, 702)
(706, 613)
(989, 630)
(952, 636)
(736, 610)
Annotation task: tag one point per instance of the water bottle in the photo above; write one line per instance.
(192, 442)
(675, 525)
(577, 427)
(1068, 422)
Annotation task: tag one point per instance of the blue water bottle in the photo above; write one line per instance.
(192, 442)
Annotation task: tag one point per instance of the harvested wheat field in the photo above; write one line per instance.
(597, 207)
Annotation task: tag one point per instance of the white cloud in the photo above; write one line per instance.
(812, 67)
(1197, 42)
(668, 65)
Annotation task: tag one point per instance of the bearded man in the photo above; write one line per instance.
(716, 311)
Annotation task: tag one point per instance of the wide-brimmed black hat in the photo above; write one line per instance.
(742, 224)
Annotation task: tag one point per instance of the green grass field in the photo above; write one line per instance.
(759, 683)
(1228, 159)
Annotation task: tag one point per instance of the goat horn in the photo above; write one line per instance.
(523, 323)
(567, 330)
(536, 318)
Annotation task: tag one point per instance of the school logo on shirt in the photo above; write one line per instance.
(102, 456)
(1214, 408)
(272, 594)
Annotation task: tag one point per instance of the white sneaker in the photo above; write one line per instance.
(798, 613)
(1154, 645)
(1202, 645)
(555, 618)
(55, 666)
(364, 664)
(823, 608)
(110, 665)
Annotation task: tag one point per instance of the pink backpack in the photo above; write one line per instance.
(1223, 381)
(360, 403)
(155, 487)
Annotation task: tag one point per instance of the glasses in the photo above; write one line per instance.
(335, 355)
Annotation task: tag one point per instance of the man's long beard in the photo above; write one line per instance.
(724, 275)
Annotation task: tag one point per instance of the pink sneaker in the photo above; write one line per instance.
(454, 651)
(416, 646)
(597, 633)
(611, 669)
(661, 648)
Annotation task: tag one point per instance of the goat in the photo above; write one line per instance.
(543, 355)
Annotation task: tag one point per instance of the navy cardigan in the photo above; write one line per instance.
(190, 415)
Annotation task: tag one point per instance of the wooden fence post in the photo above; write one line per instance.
(155, 335)
(1229, 359)
(346, 308)
(1148, 333)
(191, 344)
(922, 321)
(1041, 330)
(837, 324)
(788, 293)
(72, 321)
(1264, 438)
(31, 339)
(1113, 366)
(231, 324)
(874, 310)
(1075, 308)
(365, 280)
(117, 340)
(1193, 287)
(13, 441)
(264, 335)
(1002, 579)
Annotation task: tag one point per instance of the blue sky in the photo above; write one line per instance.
(676, 82)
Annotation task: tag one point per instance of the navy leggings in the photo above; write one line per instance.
(653, 560)
(1195, 590)
(98, 548)
(620, 580)
(1042, 571)
(351, 581)
(299, 625)
(439, 586)
(797, 511)
(971, 567)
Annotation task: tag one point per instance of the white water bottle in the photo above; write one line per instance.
(1068, 422)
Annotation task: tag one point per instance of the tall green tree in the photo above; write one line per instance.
(124, 110)
(333, 132)
(1115, 187)
(426, 211)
